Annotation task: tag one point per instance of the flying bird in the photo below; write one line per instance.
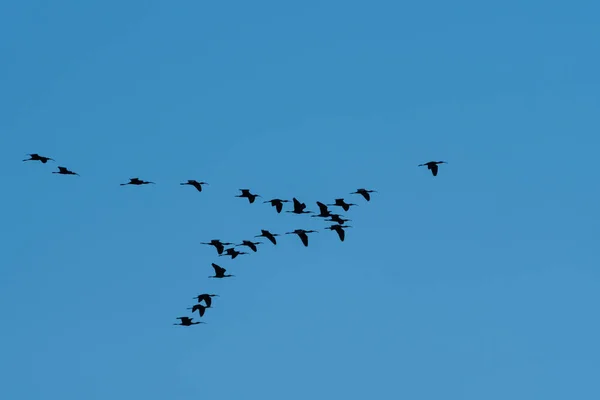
(365, 193)
(250, 244)
(219, 272)
(302, 234)
(299, 208)
(187, 321)
(37, 157)
(136, 181)
(220, 246)
(337, 218)
(340, 230)
(271, 236)
(277, 203)
(206, 297)
(200, 308)
(195, 183)
(64, 171)
(343, 204)
(233, 253)
(323, 211)
(246, 193)
(432, 165)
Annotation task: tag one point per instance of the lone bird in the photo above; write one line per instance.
(200, 308)
(219, 272)
(343, 204)
(337, 218)
(271, 236)
(206, 297)
(302, 234)
(299, 208)
(277, 203)
(195, 183)
(187, 321)
(136, 181)
(220, 246)
(233, 253)
(64, 171)
(246, 193)
(432, 165)
(37, 157)
(323, 211)
(365, 193)
(250, 244)
(340, 230)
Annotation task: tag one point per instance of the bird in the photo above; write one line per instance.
(200, 308)
(343, 204)
(339, 229)
(432, 165)
(136, 181)
(37, 157)
(299, 208)
(323, 211)
(195, 183)
(187, 321)
(271, 236)
(64, 171)
(233, 253)
(246, 193)
(219, 272)
(277, 203)
(206, 297)
(337, 218)
(220, 246)
(365, 193)
(302, 234)
(250, 244)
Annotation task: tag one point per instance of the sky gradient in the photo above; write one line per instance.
(480, 283)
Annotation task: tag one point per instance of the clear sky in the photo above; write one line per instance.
(480, 283)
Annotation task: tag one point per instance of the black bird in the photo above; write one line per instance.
(432, 165)
(219, 272)
(200, 308)
(365, 193)
(187, 321)
(64, 171)
(232, 252)
(37, 157)
(337, 218)
(195, 183)
(250, 244)
(323, 211)
(246, 193)
(343, 204)
(277, 203)
(136, 181)
(220, 246)
(302, 234)
(268, 235)
(206, 297)
(299, 207)
(339, 229)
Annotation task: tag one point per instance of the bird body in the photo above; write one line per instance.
(246, 193)
(220, 246)
(341, 203)
(302, 234)
(219, 272)
(364, 193)
(277, 203)
(195, 183)
(339, 229)
(137, 181)
(323, 211)
(233, 253)
(207, 298)
(271, 236)
(337, 218)
(433, 166)
(64, 171)
(200, 308)
(250, 244)
(299, 208)
(37, 157)
(187, 321)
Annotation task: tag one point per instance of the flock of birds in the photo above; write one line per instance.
(204, 300)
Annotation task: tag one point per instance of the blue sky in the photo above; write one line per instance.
(480, 283)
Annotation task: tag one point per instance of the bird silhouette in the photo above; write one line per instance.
(220, 246)
(37, 157)
(246, 193)
(219, 272)
(271, 236)
(187, 321)
(233, 253)
(343, 204)
(302, 234)
(277, 203)
(299, 208)
(64, 171)
(206, 297)
(137, 181)
(432, 165)
(323, 211)
(195, 183)
(340, 230)
(337, 218)
(200, 308)
(365, 193)
(250, 244)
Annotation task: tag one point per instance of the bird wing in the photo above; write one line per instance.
(252, 246)
(269, 236)
(366, 195)
(304, 237)
(218, 269)
(434, 169)
(207, 300)
(322, 207)
(341, 233)
(278, 207)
